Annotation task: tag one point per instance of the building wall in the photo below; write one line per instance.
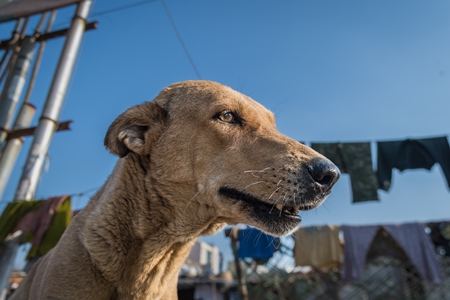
(205, 255)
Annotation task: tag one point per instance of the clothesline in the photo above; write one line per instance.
(86, 192)
(355, 159)
(374, 141)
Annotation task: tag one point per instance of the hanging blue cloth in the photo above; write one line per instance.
(254, 243)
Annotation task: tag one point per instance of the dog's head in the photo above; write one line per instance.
(218, 156)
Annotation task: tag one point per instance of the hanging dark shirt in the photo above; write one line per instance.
(354, 159)
(412, 154)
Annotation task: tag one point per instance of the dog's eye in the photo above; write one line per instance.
(227, 117)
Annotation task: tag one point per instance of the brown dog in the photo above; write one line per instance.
(198, 156)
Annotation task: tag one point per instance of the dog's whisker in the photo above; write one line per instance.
(258, 237)
(260, 171)
(274, 192)
(272, 242)
(192, 198)
(272, 208)
(256, 171)
(279, 182)
(275, 203)
(283, 203)
(252, 172)
(282, 206)
(254, 183)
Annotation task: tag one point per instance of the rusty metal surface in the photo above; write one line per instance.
(46, 36)
(12, 134)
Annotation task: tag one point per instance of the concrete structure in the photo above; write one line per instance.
(206, 255)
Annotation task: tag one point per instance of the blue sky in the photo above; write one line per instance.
(330, 70)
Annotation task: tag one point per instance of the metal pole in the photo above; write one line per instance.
(49, 118)
(9, 250)
(14, 86)
(12, 42)
(12, 148)
(45, 130)
(15, 44)
(8, 155)
(242, 285)
(38, 59)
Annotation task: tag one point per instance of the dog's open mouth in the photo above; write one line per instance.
(261, 208)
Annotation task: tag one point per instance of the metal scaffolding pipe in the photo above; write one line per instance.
(12, 148)
(45, 130)
(14, 86)
(14, 43)
(50, 115)
(38, 59)
(8, 155)
(10, 44)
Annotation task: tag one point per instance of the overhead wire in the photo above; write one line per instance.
(180, 39)
(112, 10)
(86, 192)
(169, 16)
(120, 8)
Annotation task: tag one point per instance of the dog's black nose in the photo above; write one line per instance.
(324, 172)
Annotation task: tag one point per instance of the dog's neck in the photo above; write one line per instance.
(137, 239)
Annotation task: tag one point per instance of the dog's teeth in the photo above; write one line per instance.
(279, 206)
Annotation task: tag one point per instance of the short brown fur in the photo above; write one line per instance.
(177, 152)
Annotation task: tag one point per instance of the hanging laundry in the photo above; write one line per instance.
(39, 221)
(318, 246)
(411, 238)
(412, 154)
(357, 240)
(418, 247)
(440, 235)
(59, 223)
(354, 159)
(43, 222)
(254, 243)
(12, 214)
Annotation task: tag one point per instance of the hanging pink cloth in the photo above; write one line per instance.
(39, 221)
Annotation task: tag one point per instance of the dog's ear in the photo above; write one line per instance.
(135, 129)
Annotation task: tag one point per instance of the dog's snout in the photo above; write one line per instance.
(324, 172)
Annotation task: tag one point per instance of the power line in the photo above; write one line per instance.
(180, 38)
(169, 15)
(113, 10)
(120, 8)
(86, 192)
